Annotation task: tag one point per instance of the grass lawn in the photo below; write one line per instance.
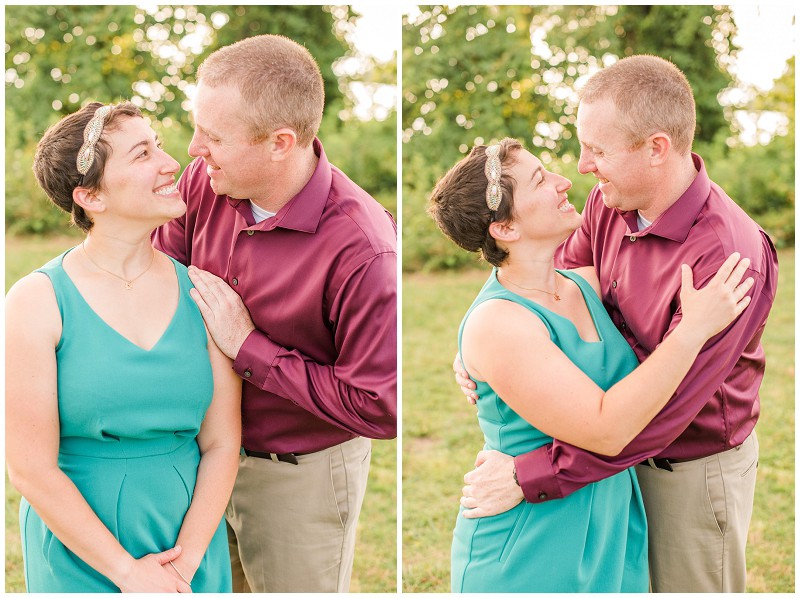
(441, 436)
(375, 568)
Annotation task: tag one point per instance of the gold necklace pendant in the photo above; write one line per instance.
(128, 283)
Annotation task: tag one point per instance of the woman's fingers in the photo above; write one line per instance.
(726, 268)
(735, 277)
(168, 555)
(687, 278)
(741, 290)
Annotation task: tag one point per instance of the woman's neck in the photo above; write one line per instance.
(121, 254)
(533, 270)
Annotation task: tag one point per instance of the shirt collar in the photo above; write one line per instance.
(678, 219)
(304, 211)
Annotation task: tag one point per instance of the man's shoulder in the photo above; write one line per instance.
(353, 211)
(725, 221)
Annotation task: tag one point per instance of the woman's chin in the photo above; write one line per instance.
(575, 222)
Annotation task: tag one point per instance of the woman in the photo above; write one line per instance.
(540, 339)
(123, 423)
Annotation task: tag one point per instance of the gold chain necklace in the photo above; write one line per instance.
(555, 295)
(128, 283)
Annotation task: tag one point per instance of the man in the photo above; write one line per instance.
(653, 209)
(295, 274)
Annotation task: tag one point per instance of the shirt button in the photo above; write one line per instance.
(613, 284)
(633, 238)
(542, 495)
(251, 233)
(622, 325)
(235, 282)
(248, 372)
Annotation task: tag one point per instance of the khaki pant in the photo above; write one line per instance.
(292, 528)
(698, 516)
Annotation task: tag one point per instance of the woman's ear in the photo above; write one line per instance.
(504, 231)
(88, 200)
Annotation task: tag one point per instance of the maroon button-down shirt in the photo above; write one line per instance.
(320, 281)
(716, 406)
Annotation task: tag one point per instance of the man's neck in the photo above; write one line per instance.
(673, 185)
(295, 172)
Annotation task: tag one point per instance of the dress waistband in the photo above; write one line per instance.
(123, 448)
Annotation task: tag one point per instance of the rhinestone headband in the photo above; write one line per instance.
(493, 170)
(91, 134)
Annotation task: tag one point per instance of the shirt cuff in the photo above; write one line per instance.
(255, 358)
(535, 475)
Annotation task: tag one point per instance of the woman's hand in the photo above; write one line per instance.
(147, 574)
(181, 569)
(709, 310)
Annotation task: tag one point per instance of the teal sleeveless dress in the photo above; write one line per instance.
(129, 420)
(595, 539)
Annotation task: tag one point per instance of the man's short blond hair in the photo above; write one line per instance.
(651, 94)
(280, 83)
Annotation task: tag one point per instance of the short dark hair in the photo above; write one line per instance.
(55, 161)
(458, 202)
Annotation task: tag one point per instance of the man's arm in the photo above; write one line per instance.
(358, 393)
(558, 469)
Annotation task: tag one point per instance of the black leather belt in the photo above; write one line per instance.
(283, 457)
(665, 464)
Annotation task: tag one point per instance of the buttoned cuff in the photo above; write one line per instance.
(255, 358)
(535, 475)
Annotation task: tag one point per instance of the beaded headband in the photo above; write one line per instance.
(493, 171)
(91, 135)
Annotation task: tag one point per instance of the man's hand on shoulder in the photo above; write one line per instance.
(225, 315)
(490, 487)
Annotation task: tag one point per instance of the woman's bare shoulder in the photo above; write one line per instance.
(31, 302)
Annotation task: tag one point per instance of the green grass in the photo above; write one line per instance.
(375, 568)
(441, 436)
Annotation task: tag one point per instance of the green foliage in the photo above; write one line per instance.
(760, 178)
(366, 151)
(475, 74)
(60, 57)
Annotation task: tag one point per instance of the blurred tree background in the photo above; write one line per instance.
(473, 74)
(61, 57)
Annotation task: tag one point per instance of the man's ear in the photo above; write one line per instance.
(659, 144)
(88, 200)
(282, 142)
